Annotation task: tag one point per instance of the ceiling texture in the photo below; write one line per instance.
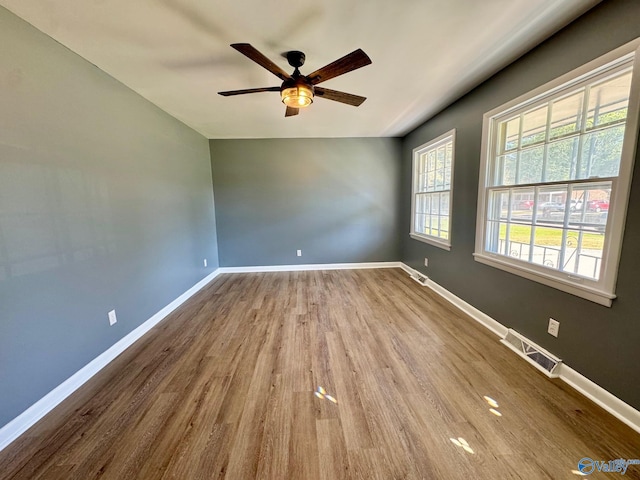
(176, 54)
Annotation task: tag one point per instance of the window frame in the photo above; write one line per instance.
(601, 291)
(445, 138)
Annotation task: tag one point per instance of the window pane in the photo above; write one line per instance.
(496, 235)
(440, 156)
(444, 227)
(530, 167)
(431, 222)
(590, 207)
(547, 246)
(601, 153)
(421, 185)
(598, 198)
(551, 206)
(509, 134)
(431, 160)
(522, 202)
(419, 222)
(583, 254)
(439, 179)
(433, 226)
(577, 213)
(444, 203)
(534, 126)
(561, 160)
(431, 181)
(506, 169)
(608, 101)
(566, 115)
(519, 241)
(499, 205)
(426, 226)
(447, 177)
(422, 203)
(434, 204)
(422, 164)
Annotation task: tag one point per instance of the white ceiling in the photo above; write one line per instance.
(176, 54)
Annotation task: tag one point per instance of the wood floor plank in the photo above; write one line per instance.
(303, 443)
(227, 388)
(332, 452)
(368, 464)
(274, 453)
(203, 444)
(352, 414)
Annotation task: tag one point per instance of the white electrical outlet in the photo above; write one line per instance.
(112, 317)
(554, 327)
(205, 262)
(299, 253)
(426, 262)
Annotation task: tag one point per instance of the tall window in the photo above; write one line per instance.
(556, 172)
(432, 189)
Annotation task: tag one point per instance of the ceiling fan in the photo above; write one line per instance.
(297, 90)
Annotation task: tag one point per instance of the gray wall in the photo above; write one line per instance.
(602, 343)
(335, 199)
(105, 202)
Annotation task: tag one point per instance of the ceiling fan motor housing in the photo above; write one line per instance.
(296, 58)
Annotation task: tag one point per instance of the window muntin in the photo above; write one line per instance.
(432, 190)
(555, 177)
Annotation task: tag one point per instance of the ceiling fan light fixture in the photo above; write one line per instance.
(297, 96)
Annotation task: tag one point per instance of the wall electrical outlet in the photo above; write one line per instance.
(299, 253)
(112, 318)
(205, 262)
(554, 327)
(426, 262)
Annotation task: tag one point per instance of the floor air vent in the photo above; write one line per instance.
(537, 356)
(420, 278)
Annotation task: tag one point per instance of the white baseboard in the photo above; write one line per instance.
(35, 412)
(311, 266)
(473, 312)
(612, 404)
(594, 392)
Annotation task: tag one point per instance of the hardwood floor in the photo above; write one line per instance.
(224, 388)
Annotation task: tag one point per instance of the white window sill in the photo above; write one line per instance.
(584, 291)
(436, 242)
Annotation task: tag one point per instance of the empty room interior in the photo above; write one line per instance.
(215, 265)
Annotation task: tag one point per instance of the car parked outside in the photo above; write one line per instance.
(551, 207)
(525, 205)
(598, 206)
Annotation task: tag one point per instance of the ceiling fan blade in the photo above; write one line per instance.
(342, 97)
(290, 112)
(348, 63)
(250, 52)
(250, 90)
